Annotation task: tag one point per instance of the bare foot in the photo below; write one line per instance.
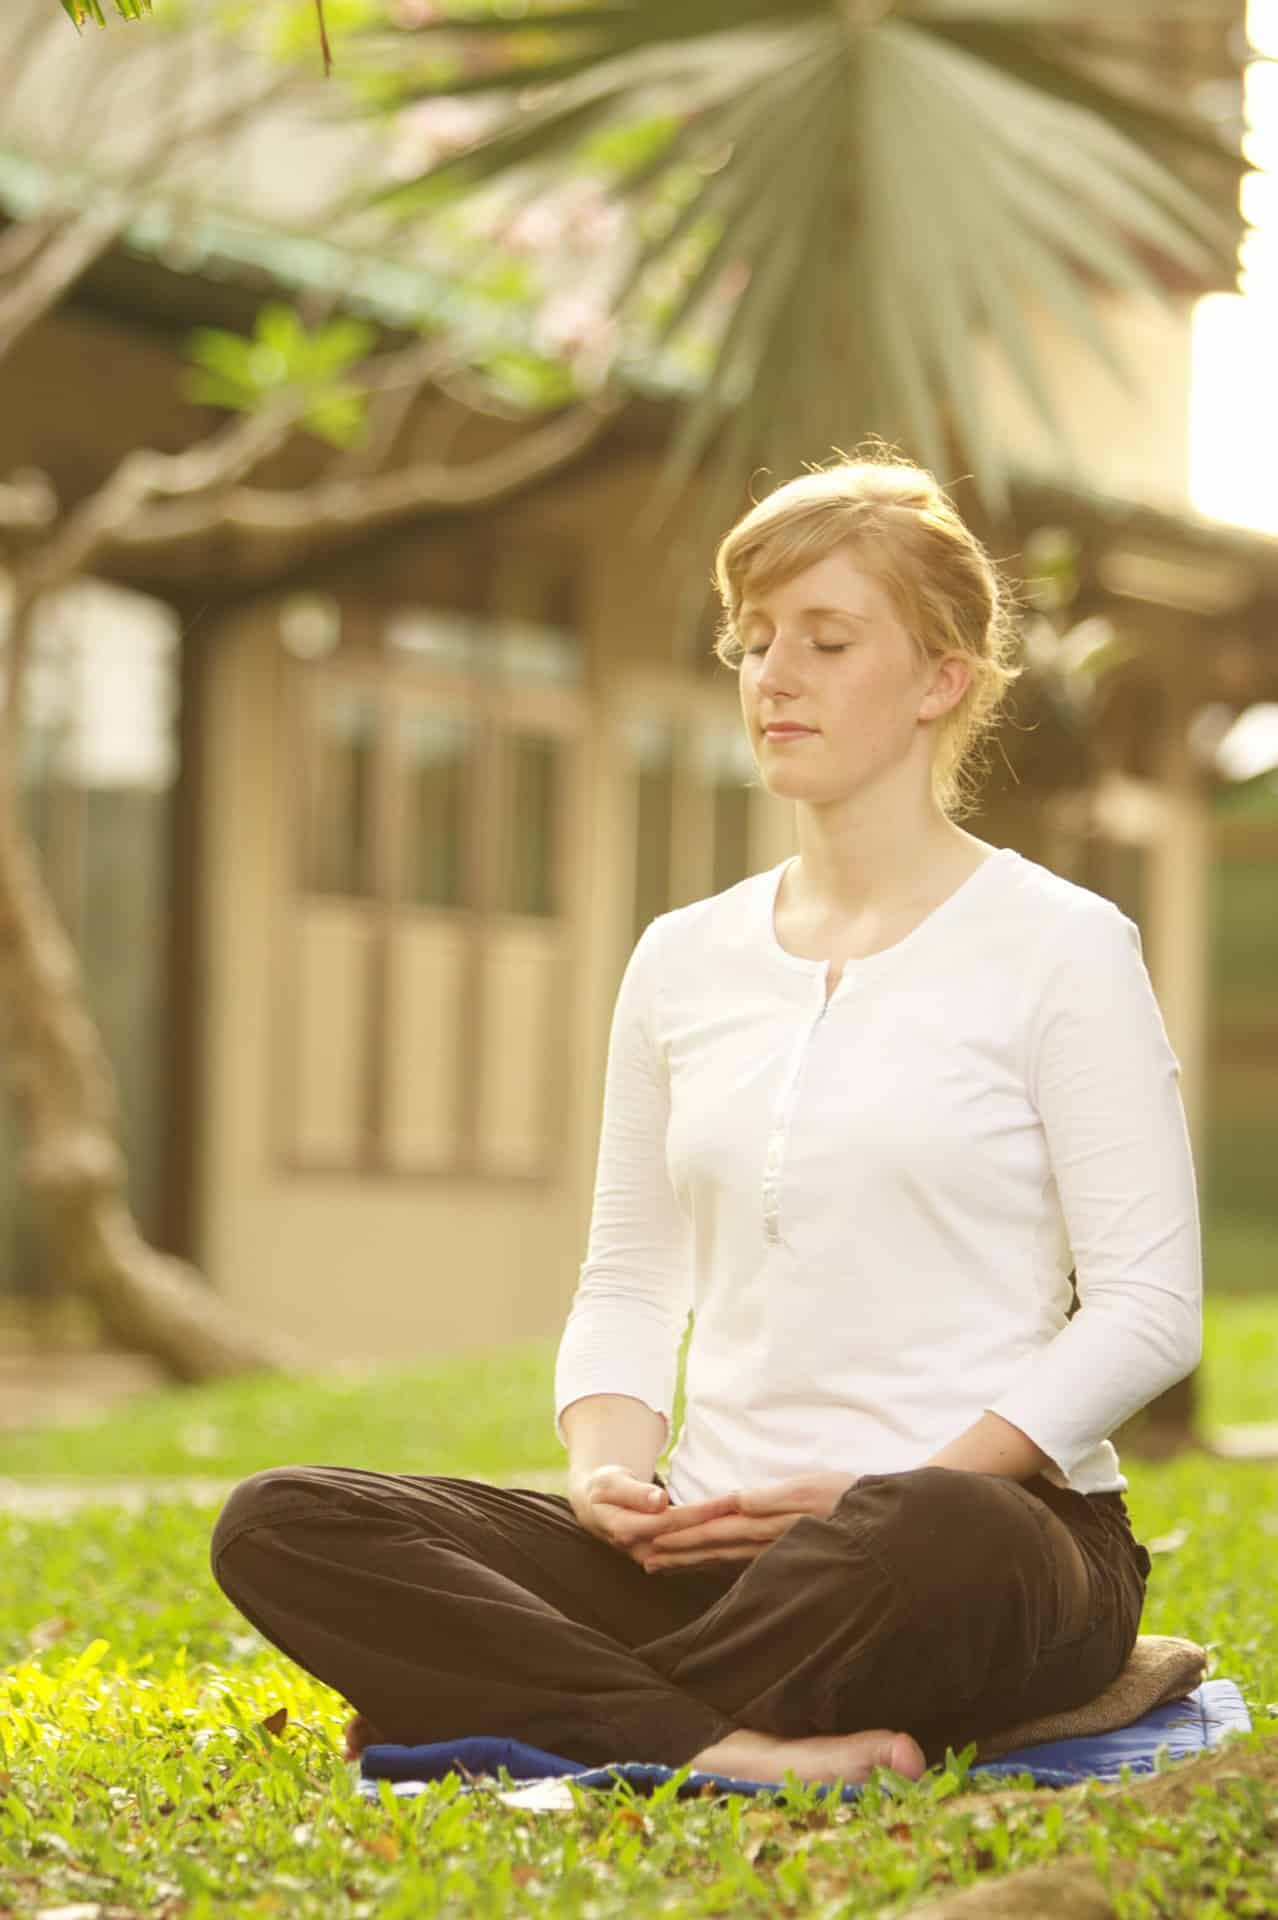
(361, 1733)
(850, 1757)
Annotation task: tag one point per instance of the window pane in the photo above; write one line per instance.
(339, 799)
(651, 743)
(526, 882)
(526, 651)
(436, 637)
(434, 749)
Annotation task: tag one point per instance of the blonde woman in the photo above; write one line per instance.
(864, 1113)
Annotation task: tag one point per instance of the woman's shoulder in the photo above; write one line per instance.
(727, 913)
(1047, 901)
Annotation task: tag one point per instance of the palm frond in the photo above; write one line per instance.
(1065, 17)
(81, 11)
(888, 196)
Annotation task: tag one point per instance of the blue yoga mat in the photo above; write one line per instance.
(1185, 1727)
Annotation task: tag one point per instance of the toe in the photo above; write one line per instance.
(906, 1756)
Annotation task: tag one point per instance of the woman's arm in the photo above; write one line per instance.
(612, 1430)
(1105, 1083)
(622, 1335)
(992, 1445)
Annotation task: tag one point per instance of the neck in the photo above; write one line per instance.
(849, 867)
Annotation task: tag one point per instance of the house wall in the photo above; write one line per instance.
(354, 1264)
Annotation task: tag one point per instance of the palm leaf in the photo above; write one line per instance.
(893, 193)
(80, 11)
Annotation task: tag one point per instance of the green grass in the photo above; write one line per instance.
(483, 1415)
(136, 1776)
(1244, 1246)
(487, 1415)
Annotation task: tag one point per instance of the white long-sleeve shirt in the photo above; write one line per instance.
(873, 1206)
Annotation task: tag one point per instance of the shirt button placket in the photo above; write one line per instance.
(781, 1126)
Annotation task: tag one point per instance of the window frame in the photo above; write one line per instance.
(500, 708)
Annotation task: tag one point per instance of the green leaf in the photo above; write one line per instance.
(208, 390)
(228, 355)
(279, 328)
(337, 414)
(333, 348)
(529, 379)
(623, 150)
(80, 11)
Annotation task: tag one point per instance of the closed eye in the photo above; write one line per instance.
(816, 643)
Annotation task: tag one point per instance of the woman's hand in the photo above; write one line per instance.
(754, 1518)
(617, 1506)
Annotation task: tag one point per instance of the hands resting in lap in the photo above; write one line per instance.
(637, 1518)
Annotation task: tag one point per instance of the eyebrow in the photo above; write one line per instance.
(749, 612)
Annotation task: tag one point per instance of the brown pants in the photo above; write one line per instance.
(943, 1604)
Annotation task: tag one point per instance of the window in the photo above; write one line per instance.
(339, 789)
(434, 751)
(427, 985)
(529, 814)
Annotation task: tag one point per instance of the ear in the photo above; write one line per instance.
(951, 677)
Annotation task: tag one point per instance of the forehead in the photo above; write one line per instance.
(836, 584)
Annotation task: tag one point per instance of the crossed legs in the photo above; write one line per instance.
(936, 1605)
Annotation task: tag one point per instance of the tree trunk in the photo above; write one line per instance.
(74, 1166)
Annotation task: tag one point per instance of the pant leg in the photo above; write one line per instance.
(939, 1603)
(1071, 1667)
(443, 1607)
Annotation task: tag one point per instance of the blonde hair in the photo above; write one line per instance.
(898, 524)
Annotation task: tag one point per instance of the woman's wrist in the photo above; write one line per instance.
(612, 1430)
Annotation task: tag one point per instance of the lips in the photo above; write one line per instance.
(788, 729)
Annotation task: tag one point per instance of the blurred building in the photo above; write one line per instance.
(356, 845)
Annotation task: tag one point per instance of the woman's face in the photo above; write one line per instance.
(826, 652)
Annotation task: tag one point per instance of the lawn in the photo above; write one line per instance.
(137, 1777)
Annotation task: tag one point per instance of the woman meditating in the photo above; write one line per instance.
(864, 1113)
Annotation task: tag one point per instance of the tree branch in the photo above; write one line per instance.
(218, 462)
(290, 522)
(72, 245)
(63, 261)
(28, 503)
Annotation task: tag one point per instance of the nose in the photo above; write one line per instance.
(777, 672)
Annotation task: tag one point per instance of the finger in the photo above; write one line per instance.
(761, 1533)
(624, 1526)
(697, 1512)
(674, 1561)
(618, 1487)
(782, 1496)
(732, 1531)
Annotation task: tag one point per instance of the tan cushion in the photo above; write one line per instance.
(1161, 1668)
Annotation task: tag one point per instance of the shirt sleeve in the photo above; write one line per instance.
(627, 1315)
(1105, 1083)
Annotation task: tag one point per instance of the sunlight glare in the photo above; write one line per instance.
(1234, 405)
(1262, 27)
